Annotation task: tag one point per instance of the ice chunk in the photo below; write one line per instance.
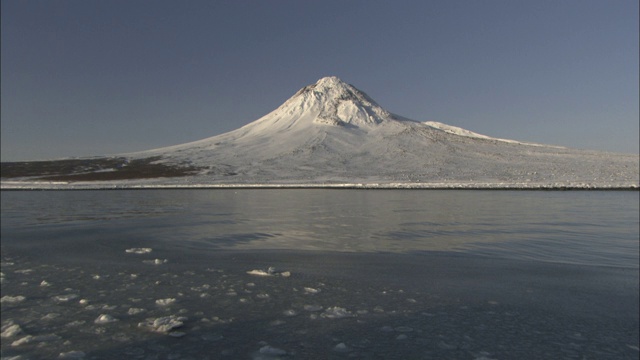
(259, 273)
(156, 261)
(134, 311)
(163, 324)
(342, 347)
(50, 316)
(72, 355)
(105, 319)
(313, 308)
(64, 297)
(270, 350)
(7, 299)
(138, 250)
(336, 313)
(40, 338)
(11, 331)
(271, 271)
(290, 312)
(165, 302)
(23, 340)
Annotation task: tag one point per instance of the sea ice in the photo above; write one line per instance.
(40, 338)
(72, 355)
(65, 297)
(155, 261)
(165, 302)
(270, 350)
(105, 319)
(134, 311)
(12, 299)
(138, 250)
(342, 347)
(163, 324)
(259, 273)
(336, 313)
(313, 308)
(23, 340)
(290, 312)
(11, 331)
(271, 271)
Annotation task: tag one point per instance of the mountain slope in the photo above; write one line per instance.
(330, 133)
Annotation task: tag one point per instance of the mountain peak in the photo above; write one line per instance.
(338, 103)
(329, 82)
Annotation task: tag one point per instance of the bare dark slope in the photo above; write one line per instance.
(95, 169)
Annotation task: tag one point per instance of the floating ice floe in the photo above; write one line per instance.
(342, 347)
(155, 261)
(50, 316)
(336, 313)
(7, 299)
(290, 312)
(31, 339)
(163, 324)
(271, 271)
(72, 355)
(134, 311)
(64, 297)
(139, 250)
(10, 330)
(105, 319)
(165, 302)
(273, 351)
(313, 308)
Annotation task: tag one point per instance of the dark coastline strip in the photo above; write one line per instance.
(339, 187)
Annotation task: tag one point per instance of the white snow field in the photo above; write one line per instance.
(331, 134)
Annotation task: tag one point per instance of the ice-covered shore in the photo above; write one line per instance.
(133, 185)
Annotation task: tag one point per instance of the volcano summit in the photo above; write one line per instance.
(332, 134)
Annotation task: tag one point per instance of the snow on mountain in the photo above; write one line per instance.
(463, 132)
(332, 133)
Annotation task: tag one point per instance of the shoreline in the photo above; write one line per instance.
(33, 186)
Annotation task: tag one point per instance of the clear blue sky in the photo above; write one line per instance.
(83, 78)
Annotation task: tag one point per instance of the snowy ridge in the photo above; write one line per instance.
(463, 132)
(331, 134)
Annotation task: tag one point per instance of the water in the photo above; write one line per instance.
(356, 273)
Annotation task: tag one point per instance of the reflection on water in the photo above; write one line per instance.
(598, 228)
(146, 274)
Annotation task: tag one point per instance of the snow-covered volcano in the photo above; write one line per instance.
(332, 133)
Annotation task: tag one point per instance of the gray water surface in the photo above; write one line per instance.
(355, 274)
